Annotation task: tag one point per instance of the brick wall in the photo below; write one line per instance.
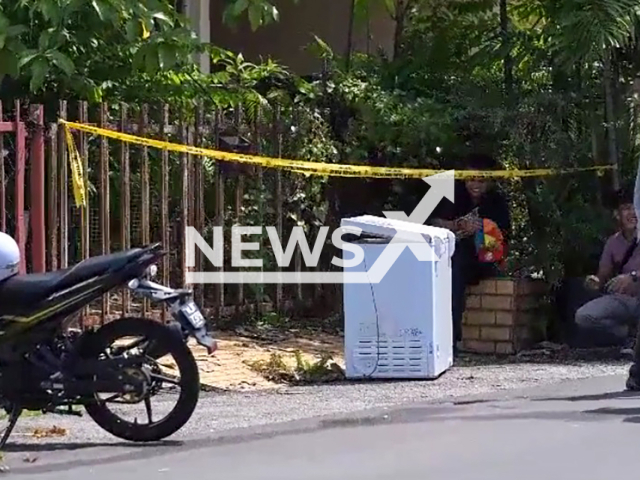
(501, 314)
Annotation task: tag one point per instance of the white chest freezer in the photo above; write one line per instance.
(400, 327)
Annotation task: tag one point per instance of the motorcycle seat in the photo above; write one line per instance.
(25, 290)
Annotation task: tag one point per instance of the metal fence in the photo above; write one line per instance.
(138, 195)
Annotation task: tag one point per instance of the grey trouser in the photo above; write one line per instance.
(612, 314)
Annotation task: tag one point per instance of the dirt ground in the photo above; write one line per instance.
(229, 367)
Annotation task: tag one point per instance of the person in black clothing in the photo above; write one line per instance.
(471, 195)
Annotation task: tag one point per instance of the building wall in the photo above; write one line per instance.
(198, 13)
(285, 40)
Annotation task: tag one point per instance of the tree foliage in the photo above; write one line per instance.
(86, 45)
(259, 12)
(540, 83)
(573, 104)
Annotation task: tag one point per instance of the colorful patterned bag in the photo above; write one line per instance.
(490, 242)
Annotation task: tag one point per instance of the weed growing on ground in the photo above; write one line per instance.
(276, 369)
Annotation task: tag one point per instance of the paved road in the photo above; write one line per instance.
(580, 429)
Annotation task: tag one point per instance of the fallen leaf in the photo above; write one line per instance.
(54, 431)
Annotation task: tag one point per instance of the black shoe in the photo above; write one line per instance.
(633, 382)
(632, 385)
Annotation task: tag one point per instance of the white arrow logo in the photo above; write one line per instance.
(442, 185)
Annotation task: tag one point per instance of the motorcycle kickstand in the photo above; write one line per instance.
(16, 411)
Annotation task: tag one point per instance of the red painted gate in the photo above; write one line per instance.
(31, 130)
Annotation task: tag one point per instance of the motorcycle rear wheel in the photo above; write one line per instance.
(189, 381)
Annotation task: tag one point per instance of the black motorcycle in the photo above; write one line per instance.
(45, 366)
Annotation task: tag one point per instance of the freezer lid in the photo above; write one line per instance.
(439, 238)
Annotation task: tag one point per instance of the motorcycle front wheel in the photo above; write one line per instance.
(108, 341)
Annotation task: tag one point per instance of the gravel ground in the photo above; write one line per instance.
(217, 412)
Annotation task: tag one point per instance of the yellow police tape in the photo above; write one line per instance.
(300, 166)
(77, 174)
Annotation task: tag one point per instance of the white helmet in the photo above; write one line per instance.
(9, 256)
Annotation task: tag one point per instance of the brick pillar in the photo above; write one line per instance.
(501, 315)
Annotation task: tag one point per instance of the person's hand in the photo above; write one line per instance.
(620, 284)
(592, 282)
(469, 226)
(461, 227)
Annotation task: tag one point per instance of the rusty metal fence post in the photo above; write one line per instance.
(21, 155)
(37, 189)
